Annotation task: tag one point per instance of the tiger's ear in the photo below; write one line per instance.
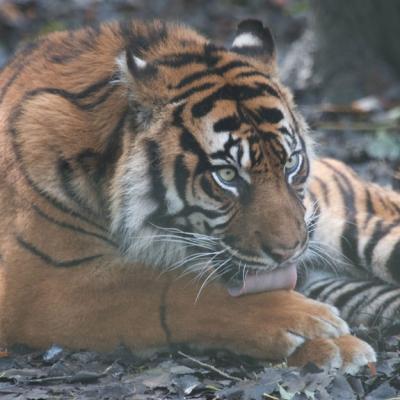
(142, 80)
(133, 68)
(254, 40)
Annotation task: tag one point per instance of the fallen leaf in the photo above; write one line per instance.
(372, 368)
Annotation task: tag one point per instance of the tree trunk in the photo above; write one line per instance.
(358, 46)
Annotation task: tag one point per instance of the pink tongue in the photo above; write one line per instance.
(280, 278)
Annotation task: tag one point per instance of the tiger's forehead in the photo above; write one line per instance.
(229, 137)
(242, 124)
(233, 106)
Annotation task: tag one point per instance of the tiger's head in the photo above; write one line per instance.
(213, 173)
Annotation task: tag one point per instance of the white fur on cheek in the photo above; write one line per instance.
(123, 69)
(247, 40)
(133, 188)
(132, 204)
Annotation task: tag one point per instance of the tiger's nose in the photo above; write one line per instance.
(283, 254)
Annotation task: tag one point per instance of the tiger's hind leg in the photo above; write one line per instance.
(354, 256)
(361, 302)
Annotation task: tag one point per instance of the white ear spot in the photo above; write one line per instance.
(247, 39)
(123, 66)
(140, 64)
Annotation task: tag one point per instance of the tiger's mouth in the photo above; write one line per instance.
(258, 275)
(242, 278)
(256, 280)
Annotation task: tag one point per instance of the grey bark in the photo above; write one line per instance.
(358, 46)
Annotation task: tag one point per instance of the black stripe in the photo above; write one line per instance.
(377, 316)
(373, 241)
(289, 136)
(14, 133)
(197, 209)
(191, 91)
(387, 303)
(248, 74)
(349, 239)
(270, 115)
(112, 150)
(22, 60)
(71, 227)
(324, 189)
(163, 310)
(227, 124)
(140, 40)
(321, 285)
(369, 204)
(386, 204)
(227, 92)
(369, 208)
(207, 188)
(393, 263)
(396, 207)
(72, 46)
(181, 176)
(182, 59)
(66, 173)
(267, 87)
(189, 143)
(52, 200)
(210, 72)
(51, 261)
(379, 233)
(226, 153)
(158, 189)
(76, 98)
(355, 309)
(222, 226)
(345, 297)
(95, 170)
(334, 286)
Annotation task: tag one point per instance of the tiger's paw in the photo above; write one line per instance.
(279, 332)
(309, 320)
(345, 353)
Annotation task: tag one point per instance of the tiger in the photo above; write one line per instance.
(159, 190)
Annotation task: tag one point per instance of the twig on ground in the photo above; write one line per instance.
(80, 377)
(359, 127)
(210, 367)
(269, 396)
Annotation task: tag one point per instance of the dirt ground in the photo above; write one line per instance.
(364, 134)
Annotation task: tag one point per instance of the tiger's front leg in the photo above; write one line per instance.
(273, 325)
(144, 311)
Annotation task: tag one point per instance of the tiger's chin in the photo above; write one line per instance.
(256, 280)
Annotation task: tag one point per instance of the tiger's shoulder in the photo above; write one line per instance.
(62, 95)
(72, 59)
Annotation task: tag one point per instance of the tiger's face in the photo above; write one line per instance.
(214, 174)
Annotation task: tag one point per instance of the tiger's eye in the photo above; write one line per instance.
(292, 162)
(227, 174)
